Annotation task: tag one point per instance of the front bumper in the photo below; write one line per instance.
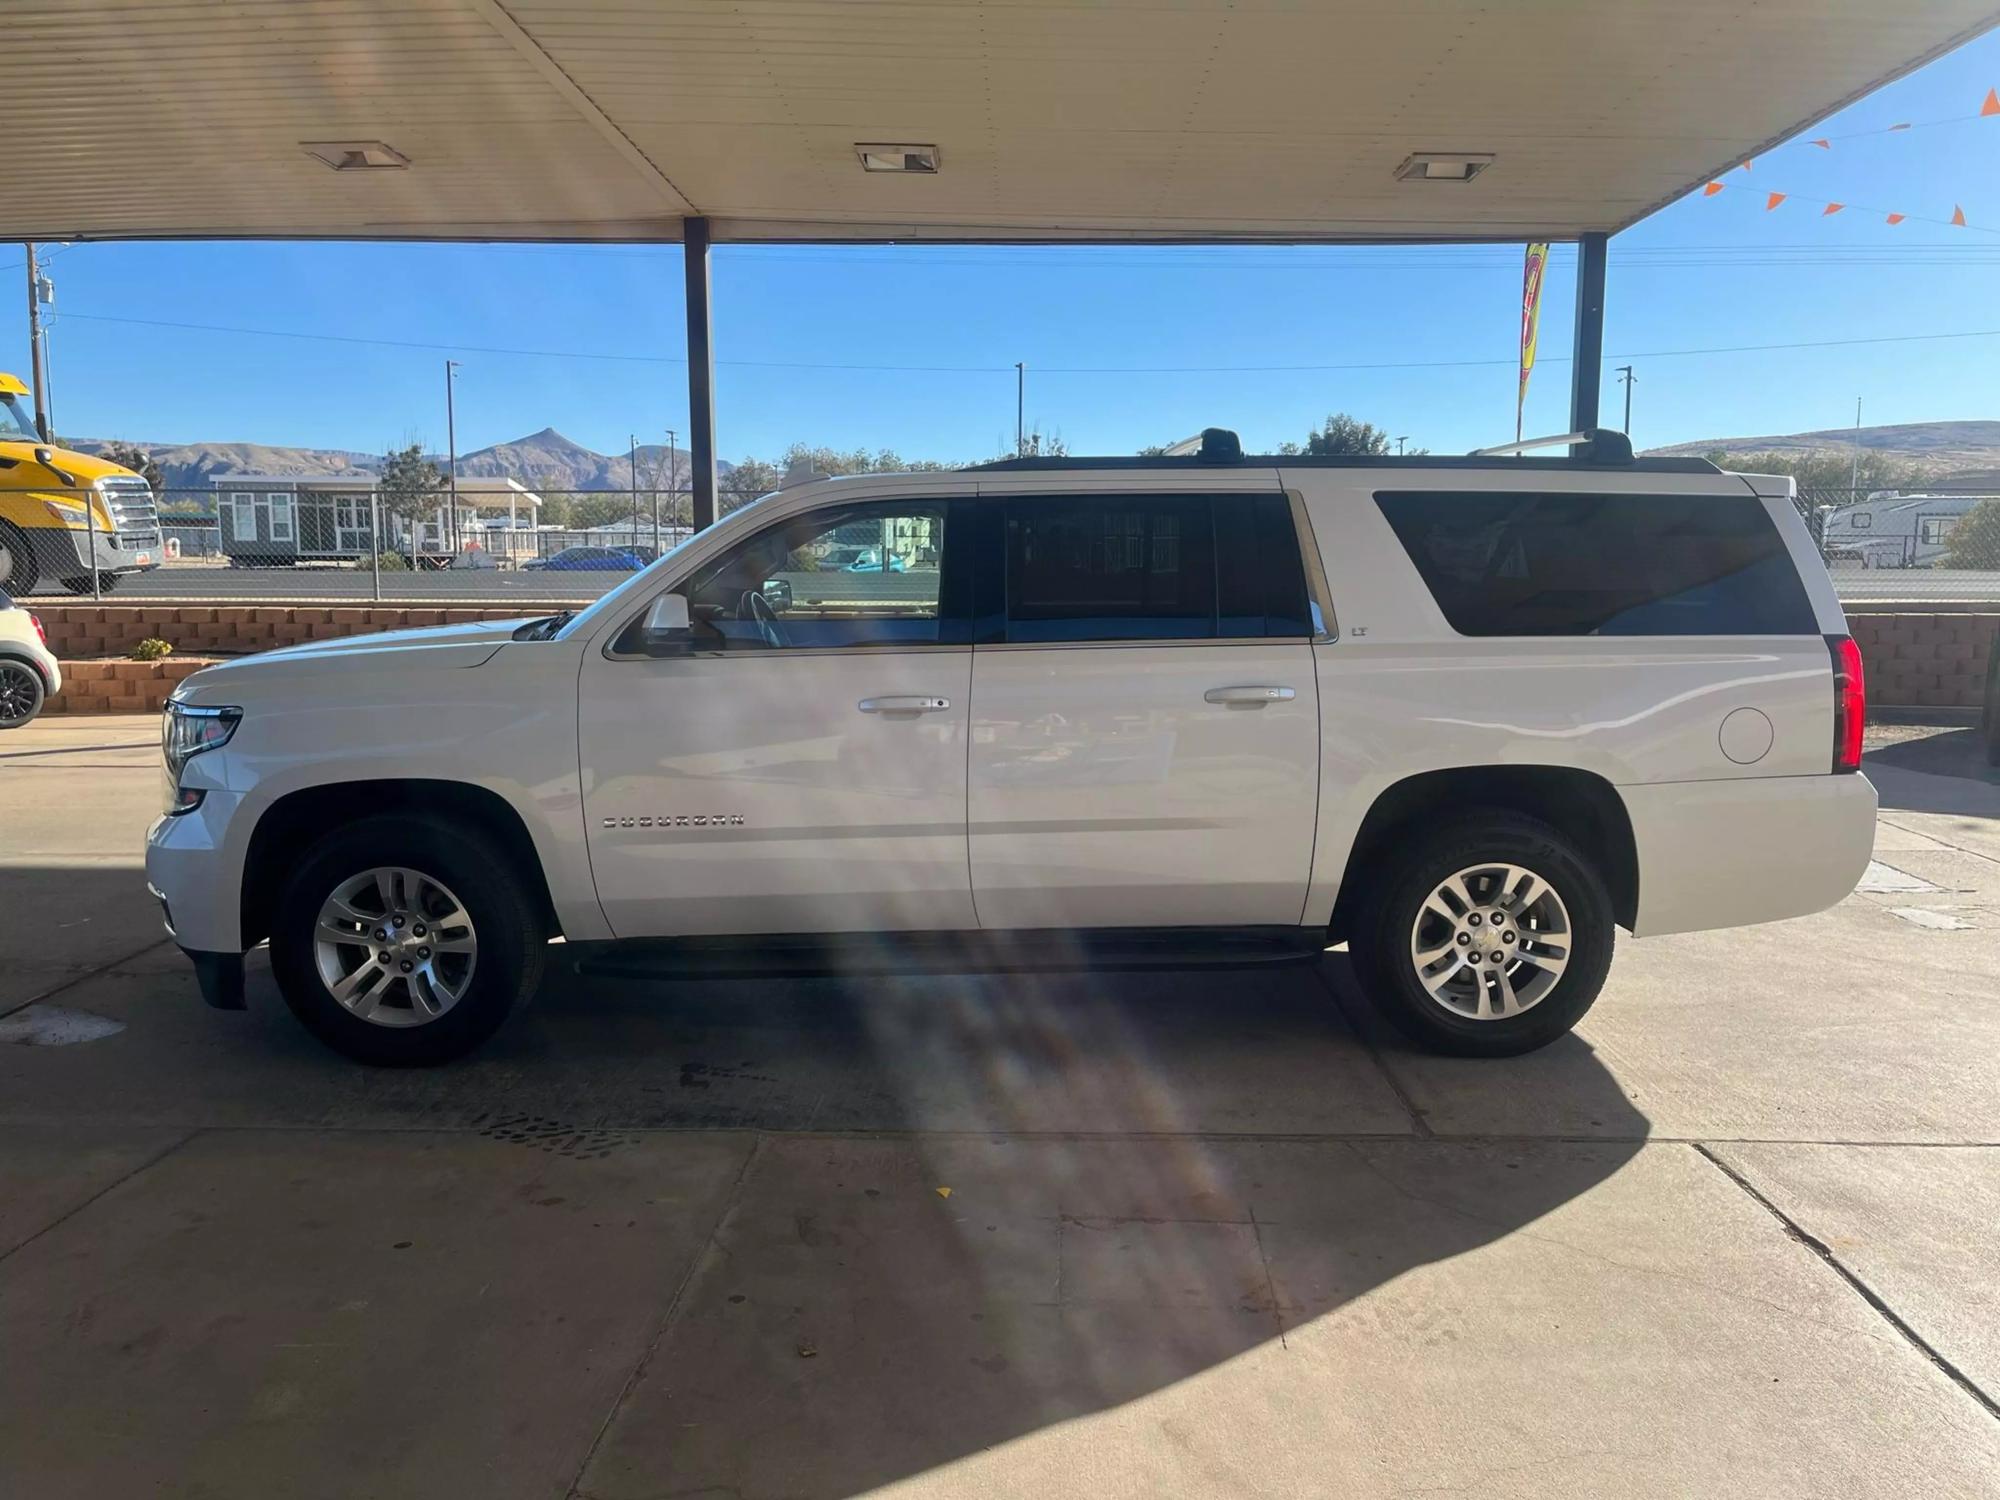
(61, 553)
(194, 874)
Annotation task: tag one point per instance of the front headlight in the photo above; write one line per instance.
(67, 512)
(186, 731)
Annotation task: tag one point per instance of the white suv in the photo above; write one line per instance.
(1464, 714)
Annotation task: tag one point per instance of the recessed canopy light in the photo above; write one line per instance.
(879, 157)
(357, 156)
(1444, 166)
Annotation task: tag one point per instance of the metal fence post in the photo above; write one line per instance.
(90, 533)
(375, 540)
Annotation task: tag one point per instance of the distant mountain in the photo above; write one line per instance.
(544, 460)
(1951, 446)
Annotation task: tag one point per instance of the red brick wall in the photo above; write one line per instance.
(85, 630)
(1925, 661)
(120, 687)
(1914, 660)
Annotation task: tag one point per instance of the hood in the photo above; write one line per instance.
(87, 470)
(442, 648)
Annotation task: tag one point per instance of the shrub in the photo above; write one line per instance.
(152, 649)
(388, 562)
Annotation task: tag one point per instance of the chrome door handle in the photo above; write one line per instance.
(909, 703)
(1249, 697)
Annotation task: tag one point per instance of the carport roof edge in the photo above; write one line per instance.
(1134, 122)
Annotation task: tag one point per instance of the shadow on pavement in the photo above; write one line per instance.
(760, 1238)
(1951, 752)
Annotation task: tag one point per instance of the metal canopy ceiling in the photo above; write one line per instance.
(1054, 119)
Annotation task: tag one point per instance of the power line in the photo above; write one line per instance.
(764, 364)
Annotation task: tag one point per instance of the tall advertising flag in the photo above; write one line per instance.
(1531, 321)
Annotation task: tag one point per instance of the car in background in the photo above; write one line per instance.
(29, 676)
(586, 560)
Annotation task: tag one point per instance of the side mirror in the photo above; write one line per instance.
(46, 457)
(668, 616)
(778, 594)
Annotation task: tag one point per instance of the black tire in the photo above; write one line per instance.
(507, 919)
(22, 692)
(18, 574)
(1382, 939)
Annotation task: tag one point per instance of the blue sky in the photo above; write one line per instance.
(1124, 345)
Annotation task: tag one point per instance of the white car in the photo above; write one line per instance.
(29, 673)
(1467, 715)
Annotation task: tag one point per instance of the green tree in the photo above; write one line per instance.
(1341, 434)
(409, 483)
(1830, 469)
(138, 460)
(1975, 541)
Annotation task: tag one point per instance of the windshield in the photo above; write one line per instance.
(17, 423)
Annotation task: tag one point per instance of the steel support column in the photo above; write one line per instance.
(701, 373)
(1586, 371)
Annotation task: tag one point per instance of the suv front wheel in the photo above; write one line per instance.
(1485, 937)
(406, 941)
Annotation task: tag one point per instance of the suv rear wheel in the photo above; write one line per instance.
(1486, 937)
(406, 941)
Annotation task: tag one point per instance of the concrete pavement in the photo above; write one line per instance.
(1132, 1235)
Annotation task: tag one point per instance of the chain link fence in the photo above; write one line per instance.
(305, 541)
(1936, 543)
(301, 541)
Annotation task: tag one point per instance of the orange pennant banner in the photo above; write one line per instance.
(1958, 216)
(1711, 190)
(1904, 126)
(1831, 208)
(1772, 201)
(1746, 165)
(1992, 104)
(1894, 219)
(1823, 143)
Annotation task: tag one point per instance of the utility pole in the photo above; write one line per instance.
(673, 469)
(1399, 444)
(38, 348)
(1020, 405)
(1854, 470)
(632, 450)
(451, 448)
(1625, 374)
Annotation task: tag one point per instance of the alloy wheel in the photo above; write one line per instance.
(1491, 941)
(395, 947)
(20, 691)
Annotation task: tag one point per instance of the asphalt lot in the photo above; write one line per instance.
(1207, 1233)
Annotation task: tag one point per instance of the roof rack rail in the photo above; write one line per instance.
(1595, 448)
(1595, 445)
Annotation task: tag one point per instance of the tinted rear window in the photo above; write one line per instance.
(1152, 568)
(1553, 564)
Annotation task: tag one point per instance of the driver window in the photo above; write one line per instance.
(859, 575)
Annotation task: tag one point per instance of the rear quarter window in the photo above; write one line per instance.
(1524, 563)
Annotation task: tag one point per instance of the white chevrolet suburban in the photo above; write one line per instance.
(1465, 714)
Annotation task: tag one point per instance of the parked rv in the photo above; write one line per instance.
(1895, 530)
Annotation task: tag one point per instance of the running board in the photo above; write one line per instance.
(806, 955)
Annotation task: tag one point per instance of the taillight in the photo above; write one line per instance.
(1850, 702)
(36, 621)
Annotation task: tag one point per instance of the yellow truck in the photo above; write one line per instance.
(58, 507)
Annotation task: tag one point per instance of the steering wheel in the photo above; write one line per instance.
(758, 609)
